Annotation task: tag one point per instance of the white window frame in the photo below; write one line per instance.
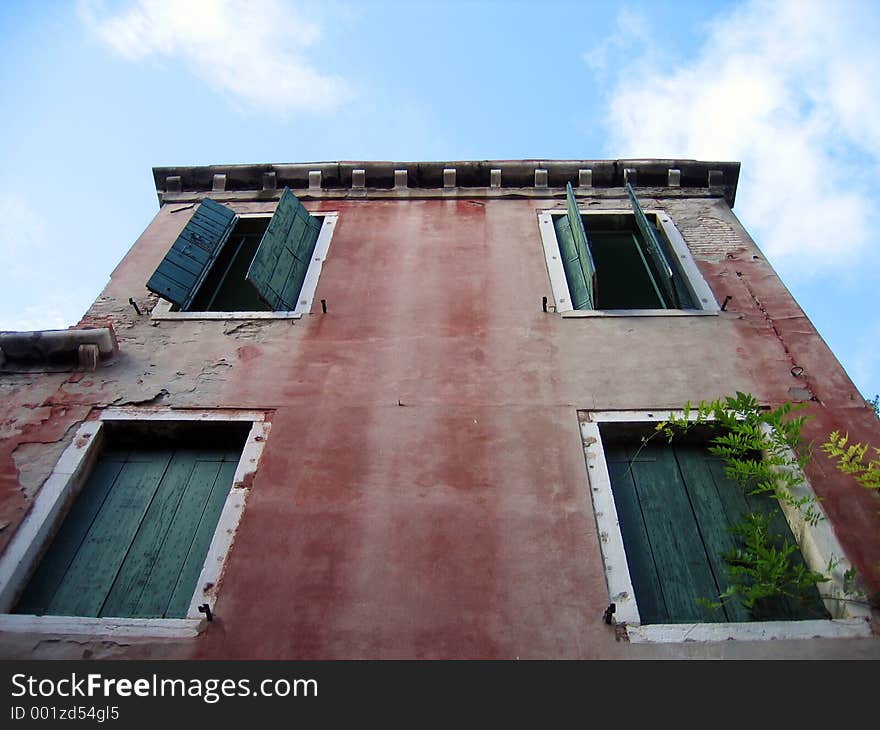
(163, 309)
(694, 280)
(50, 507)
(818, 545)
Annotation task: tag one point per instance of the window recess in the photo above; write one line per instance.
(621, 260)
(675, 504)
(129, 535)
(662, 511)
(135, 539)
(222, 262)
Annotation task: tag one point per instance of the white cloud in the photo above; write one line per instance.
(632, 30)
(24, 232)
(253, 51)
(37, 317)
(789, 89)
(29, 265)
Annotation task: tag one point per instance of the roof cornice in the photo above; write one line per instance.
(485, 178)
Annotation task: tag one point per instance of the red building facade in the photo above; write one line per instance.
(415, 440)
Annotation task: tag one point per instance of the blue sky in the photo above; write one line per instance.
(97, 93)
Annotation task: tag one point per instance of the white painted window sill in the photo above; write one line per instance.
(578, 313)
(162, 312)
(159, 628)
(752, 631)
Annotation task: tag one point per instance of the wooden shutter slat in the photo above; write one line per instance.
(574, 273)
(191, 568)
(182, 271)
(169, 560)
(676, 546)
(139, 562)
(279, 266)
(712, 496)
(582, 245)
(61, 553)
(642, 569)
(91, 574)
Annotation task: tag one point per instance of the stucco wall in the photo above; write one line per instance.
(423, 492)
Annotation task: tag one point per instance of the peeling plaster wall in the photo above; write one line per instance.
(423, 492)
(34, 429)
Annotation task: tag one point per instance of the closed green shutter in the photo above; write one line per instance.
(675, 505)
(135, 540)
(665, 272)
(282, 259)
(582, 249)
(186, 265)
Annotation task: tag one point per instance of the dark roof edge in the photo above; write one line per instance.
(720, 177)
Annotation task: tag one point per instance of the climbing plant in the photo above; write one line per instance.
(762, 449)
(859, 460)
(762, 570)
(764, 454)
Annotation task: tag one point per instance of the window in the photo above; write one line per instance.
(130, 533)
(675, 504)
(223, 262)
(629, 261)
(134, 541)
(662, 512)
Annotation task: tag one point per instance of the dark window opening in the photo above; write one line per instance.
(223, 263)
(626, 276)
(225, 288)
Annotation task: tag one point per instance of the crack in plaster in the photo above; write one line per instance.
(244, 331)
(151, 400)
(770, 321)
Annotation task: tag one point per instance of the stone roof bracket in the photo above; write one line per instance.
(358, 182)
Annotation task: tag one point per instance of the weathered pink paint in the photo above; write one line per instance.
(423, 492)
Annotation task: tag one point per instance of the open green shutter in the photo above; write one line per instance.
(282, 259)
(186, 265)
(665, 271)
(582, 246)
(571, 263)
